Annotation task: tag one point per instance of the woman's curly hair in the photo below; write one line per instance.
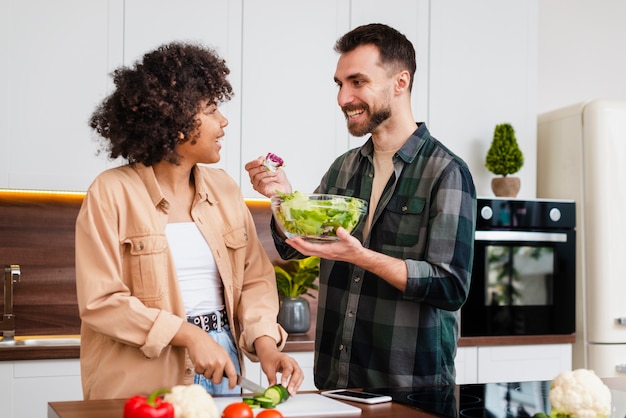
(157, 100)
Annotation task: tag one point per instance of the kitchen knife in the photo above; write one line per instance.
(250, 385)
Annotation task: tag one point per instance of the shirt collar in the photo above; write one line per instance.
(146, 173)
(408, 152)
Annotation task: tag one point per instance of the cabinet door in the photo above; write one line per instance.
(214, 23)
(289, 102)
(483, 57)
(523, 362)
(54, 71)
(466, 365)
(37, 382)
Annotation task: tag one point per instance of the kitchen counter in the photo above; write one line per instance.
(490, 399)
(295, 343)
(113, 408)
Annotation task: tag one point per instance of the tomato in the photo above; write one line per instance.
(269, 413)
(238, 410)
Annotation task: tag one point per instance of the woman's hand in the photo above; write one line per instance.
(209, 358)
(273, 361)
(266, 182)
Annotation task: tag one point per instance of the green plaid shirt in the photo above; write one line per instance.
(369, 334)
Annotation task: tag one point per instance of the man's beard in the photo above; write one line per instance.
(370, 124)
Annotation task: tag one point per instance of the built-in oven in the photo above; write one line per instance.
(524, 272)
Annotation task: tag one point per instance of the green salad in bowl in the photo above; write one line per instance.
(316, 217)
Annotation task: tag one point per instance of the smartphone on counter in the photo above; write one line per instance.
(356, 396)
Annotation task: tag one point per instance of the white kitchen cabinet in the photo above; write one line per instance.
(466, 365)
(517, 363)
(27, 386)
(214, 23)
(289, 104)
(607, 360)
(54, 70)
(474, 364)
(483, 60)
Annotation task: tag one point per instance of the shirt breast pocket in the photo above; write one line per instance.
(236, 242)
(402, 220)
(148, 258)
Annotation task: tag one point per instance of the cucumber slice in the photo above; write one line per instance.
(265, 402)
(274, 394)
(277, 393)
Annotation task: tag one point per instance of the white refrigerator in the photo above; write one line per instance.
(581, 155)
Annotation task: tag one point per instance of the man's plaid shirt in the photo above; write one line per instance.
(370, 334)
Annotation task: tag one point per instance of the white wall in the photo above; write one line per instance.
(581, 52)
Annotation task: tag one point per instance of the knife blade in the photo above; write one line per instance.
(250, 385)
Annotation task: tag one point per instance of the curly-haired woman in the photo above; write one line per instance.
(173, 284)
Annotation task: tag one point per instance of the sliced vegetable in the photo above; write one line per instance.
(277, 393)
(265, 402)
(273, 396)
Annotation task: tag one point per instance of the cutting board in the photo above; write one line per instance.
(302, 405)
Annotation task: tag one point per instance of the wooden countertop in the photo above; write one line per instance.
(113, 408)
(295, 343)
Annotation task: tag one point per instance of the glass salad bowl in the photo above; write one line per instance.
(316, 217)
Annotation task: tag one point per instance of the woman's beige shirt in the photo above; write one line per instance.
(128, 295)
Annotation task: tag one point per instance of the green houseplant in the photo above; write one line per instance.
(504, 158)
(294, 279)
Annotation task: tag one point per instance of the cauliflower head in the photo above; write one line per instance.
(579, 394)
(192, 401)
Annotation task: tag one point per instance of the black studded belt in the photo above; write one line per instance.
(213, 321)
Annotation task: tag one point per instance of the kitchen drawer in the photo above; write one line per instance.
(523, 362)
(605, 359)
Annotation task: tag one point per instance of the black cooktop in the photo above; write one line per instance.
(485, 400)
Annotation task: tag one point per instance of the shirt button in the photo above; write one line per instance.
(350, 314)
(189, 371)
(371, 175)
(340, 347)
(357, 279)
(140, 245)
(404, 208)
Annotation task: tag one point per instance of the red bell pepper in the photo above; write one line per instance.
(152, 406)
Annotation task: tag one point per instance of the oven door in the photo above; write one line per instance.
(523, 283)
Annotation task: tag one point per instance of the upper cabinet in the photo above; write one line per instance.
(475, 69)
(55, 58)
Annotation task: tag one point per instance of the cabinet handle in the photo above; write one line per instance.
(621, 320)
(621, 368)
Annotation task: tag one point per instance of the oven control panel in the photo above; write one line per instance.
(524, 214)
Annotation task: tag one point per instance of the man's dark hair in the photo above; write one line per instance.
(395, 49)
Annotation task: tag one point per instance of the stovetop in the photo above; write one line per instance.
(488, 400)
(493, 400)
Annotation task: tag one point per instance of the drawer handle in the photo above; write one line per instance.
(621, 320)
(621, 368)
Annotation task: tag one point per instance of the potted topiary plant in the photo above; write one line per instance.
(504, 158)
(294, 279)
